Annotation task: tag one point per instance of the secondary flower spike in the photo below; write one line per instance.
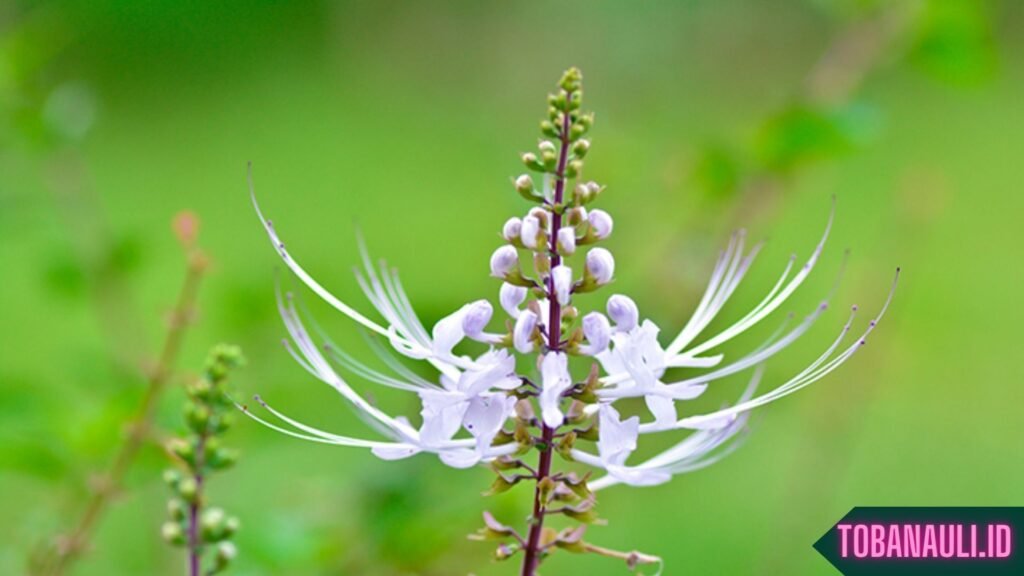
(546, 377)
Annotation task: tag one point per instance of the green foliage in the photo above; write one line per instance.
(801, 134)
(955, 41)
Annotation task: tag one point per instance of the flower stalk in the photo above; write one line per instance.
(70, 547)
(192, 523)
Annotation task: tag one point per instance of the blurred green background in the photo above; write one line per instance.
(406, 119)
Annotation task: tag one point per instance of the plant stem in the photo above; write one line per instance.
(194, 509)
(75, 543)
(531, 556)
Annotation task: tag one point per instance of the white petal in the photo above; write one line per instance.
(530, 231)
(601, 223)
(555, 379)
(477, 315)
(460, 458)
(562, 277)
(623, 311)
(617, 438)
(566, 240)
(512, 229)
(598, 332)
(504, 260)
(511, 297)
(600, 265)
(522, 334)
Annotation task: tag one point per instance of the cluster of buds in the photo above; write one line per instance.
(203, 530)
(519, 396)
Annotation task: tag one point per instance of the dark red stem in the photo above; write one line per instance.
(531, 557)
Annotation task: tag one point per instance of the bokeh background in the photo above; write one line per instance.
(406, 119)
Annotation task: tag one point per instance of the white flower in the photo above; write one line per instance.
(556, 380)
(598, 331)
(562, 279)
(511, 297)
(600, 265)
(530, 231)
(471, 399)
(522, 333)
(512, 229)
(566, 240)
(601, 223)
(504, 260)
(623, 311)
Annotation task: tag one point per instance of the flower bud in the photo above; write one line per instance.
(547, 147)
(623, 312)
(581, 193)
(476, 318)
(212, 524)
(524, 184)
(173, 533)
(580, 148)
(512, 229)
(522, 334)
(504, 260)
(600, 265)
(598, 332)
(562, 279)
(226, 552)
(176, 509)
(531, 162)
(574, 168)
(567, 240)
(530, 231)
(601, 223)
(188, 489)
(549, 159)
(511, 297)
(576, 216)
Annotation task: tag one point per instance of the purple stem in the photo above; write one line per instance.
(531, 558)
(194, 553)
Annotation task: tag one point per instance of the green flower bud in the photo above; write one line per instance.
(198, 417)
(571, 80)
(222, 458)
(549, 159)
(546, 488)
(221, 360)
(200, 389)
(172, 477)
(176, 509)
(212, 525)
(188, 489)
(182, 449)
(173, 533)
(531, 162)
(222, 423)
(547, 146)
(574, 168)
(505, 551)
(581, 147)
(226, 553)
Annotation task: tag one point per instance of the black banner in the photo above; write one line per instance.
(926, 541)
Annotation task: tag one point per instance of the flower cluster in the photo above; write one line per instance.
(520, 394)
(203, 530)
